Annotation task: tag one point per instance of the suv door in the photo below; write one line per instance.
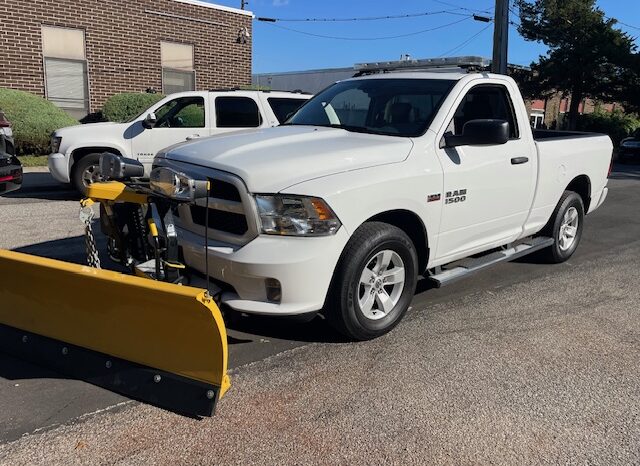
(178, 120)
(488, 189)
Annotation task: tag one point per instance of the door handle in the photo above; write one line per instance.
(193, 136)
(519, 160)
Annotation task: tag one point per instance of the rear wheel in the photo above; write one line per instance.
(374, 282)
(565, 227)
(86, 172)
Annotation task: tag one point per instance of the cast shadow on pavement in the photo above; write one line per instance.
(41, 185)
(626, 171)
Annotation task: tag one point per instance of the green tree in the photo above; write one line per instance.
(587, 56)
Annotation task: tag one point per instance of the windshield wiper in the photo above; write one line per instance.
(350, 128)
(354, 129)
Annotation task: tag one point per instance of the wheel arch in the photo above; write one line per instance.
(413, 226)
(81, 152)
(581, 185)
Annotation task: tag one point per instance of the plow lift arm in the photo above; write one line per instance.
(143, 334)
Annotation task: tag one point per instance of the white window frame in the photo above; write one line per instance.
(87, 82)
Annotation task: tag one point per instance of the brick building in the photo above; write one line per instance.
(550, 112)
(77, 53)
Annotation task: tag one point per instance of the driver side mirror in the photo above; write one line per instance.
(150, 120)
(478, 132)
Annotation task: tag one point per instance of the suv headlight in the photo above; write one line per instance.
(55, 144)
(290, 215)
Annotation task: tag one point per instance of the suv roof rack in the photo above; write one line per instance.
(460, 64)
(225, 89)
(229, 89)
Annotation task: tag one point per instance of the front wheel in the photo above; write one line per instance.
(86, 172)
(374, 282)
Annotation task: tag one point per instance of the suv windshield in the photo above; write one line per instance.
(393, 107)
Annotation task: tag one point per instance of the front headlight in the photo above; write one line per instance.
(55, 144)
(290, 215)
(176, 185)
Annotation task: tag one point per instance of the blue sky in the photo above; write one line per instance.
(278, 49)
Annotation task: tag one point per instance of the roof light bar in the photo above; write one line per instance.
(460, 62)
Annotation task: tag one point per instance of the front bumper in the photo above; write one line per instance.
(59, 167)
(303, 266)
(10, 178)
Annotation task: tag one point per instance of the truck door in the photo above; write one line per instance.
(488, 189)
(178, 120)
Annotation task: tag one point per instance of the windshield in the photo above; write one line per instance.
(393, 107)
(283, 107)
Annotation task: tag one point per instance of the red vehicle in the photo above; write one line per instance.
(10, 166)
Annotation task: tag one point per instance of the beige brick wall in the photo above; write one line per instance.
(123, 43)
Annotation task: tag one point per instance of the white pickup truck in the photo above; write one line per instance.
(75, 150)
(376, 181)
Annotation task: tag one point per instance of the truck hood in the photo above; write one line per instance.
(273, 159)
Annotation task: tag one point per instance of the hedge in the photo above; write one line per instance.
(617, 124)
(33, 119)
(122, 107)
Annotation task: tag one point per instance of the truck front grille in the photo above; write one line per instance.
(231, 217)
(220, 220)
(223, 190)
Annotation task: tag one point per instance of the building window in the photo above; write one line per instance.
(536, 119)
(178, 74)
(65, 69)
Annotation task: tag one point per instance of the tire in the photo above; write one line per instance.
(362, 311)
(85, 172)
(569, 207)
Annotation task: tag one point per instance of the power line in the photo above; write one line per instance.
(624, 24)
(323, 36)
(462, 44)
(364, 18)
(488, 10)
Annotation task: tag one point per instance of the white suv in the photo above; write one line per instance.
(75, 150)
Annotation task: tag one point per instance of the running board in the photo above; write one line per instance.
(469, 266)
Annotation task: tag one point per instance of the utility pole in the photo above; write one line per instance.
(243, 3)
(500, 37)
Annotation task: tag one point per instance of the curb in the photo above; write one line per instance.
(35, 169)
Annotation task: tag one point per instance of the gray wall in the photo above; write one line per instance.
(306, 81)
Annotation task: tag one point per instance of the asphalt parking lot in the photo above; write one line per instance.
(528, 363)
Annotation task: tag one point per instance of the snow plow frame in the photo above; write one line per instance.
(158, 342)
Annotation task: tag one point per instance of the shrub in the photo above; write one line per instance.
(617, 124)
(122, 107)
(33, 119)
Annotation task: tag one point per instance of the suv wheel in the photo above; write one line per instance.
(86, 172)
(374, 282)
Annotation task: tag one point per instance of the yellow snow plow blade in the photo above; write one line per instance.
(162, 343)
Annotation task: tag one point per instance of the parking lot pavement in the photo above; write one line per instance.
(527, 363)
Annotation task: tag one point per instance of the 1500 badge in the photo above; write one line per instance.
(453, 197)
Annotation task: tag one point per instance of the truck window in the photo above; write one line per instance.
(485, 101)
(184, 112)
(283, 108)
(237, 112)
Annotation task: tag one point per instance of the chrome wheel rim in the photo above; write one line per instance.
(381, 284)
(91, 174)
(568, 229)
